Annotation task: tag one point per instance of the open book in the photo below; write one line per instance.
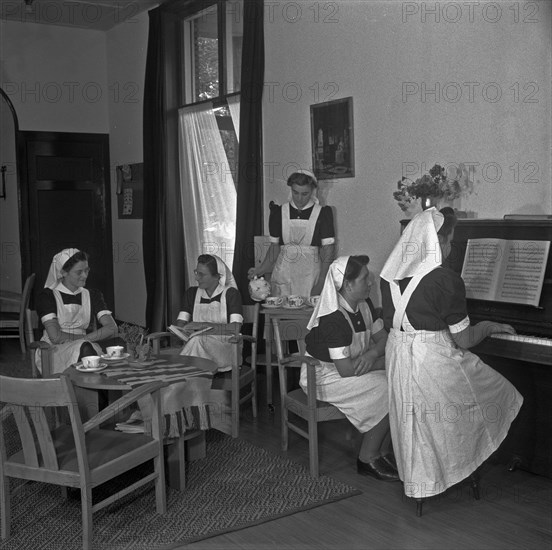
(505, 270)
(185, 335)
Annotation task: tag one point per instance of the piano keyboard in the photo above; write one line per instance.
(524, 338)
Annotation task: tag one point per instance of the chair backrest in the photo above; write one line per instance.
(33, 404)
(250, 317)
(286, 330)
(26, 298)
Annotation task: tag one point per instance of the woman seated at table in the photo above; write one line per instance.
(215, 302)
(69, 312)
(350, 346)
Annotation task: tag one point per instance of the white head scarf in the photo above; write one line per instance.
(329, 299)
(418, 251)
(58, 261)
(226, 278)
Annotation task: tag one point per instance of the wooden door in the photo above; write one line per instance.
(66, 203)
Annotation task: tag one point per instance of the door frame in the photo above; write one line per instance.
(25, 136)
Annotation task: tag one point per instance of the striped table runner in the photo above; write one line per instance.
(161, 370)
(198, 406)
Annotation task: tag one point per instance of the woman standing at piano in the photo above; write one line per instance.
(302, 238)
(448, 410)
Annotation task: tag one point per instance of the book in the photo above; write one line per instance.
(185, 335)
(503, 270)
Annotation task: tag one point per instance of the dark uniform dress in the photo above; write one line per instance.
(300, 233)
(76, 313)
(346, 333)
(448, 411)
(224, 306)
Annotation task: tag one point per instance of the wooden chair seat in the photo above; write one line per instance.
(79, 455)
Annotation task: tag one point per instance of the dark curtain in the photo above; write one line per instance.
(249, 221)
(162, 233)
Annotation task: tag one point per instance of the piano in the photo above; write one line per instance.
(525, 358)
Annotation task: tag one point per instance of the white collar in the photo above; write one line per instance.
(62, 288)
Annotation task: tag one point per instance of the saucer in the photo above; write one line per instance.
(287, 306)
(272, 306)
(110, 359)
(80, 367)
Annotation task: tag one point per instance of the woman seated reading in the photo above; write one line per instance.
(216, 303)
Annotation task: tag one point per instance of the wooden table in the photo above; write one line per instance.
(120, 377)
(303, 313)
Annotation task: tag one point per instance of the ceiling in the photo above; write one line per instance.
(87, 14)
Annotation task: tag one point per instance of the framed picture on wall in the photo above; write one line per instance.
(332, 139)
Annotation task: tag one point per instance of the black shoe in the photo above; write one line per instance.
(378, 468)
(390, 459)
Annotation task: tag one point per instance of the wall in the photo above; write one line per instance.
(126, 63)
(55, 77)
(385, 54)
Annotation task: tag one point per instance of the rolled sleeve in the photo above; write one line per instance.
(184, 316)
(459, 327)
(339, 353)
(236, 318)
(329, 240)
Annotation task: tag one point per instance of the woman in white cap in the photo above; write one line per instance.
(350, 343)
(215, 302)
(302, 238)
(448, 410)
(74, 318)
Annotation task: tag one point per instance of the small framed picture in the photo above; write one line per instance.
(332, 139)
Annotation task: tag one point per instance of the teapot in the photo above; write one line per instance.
(259, 289)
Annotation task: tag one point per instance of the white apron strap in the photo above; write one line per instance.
(400, 301)
(309, 226)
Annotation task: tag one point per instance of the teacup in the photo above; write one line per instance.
(274, 300)
(91, 361)
(313, 300)
(114, 351)
(295, 301)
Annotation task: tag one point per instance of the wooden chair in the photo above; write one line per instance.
(78, 455)
(241, 376)
(14, 323)
(295, 401)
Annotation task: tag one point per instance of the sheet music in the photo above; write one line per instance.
(505, 270)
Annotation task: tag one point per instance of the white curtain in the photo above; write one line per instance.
(234, 106)
(208, 190)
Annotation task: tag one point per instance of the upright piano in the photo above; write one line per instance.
(525, 358)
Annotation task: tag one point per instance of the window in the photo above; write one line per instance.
(209, 36)
(209, 128)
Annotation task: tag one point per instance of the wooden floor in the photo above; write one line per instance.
(514, 511)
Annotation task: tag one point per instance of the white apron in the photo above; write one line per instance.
(362, 399)
(448, 411)
(217, 348)
(73, 319)
(298, 265)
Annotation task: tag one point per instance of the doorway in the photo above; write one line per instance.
(65, 202)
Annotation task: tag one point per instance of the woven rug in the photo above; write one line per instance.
(236, 486)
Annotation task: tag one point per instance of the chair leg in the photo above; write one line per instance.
(474, 480)
(284, 427)
(419, 504)
(313, 448)
(5, 513)
(86, 507)
(160, 490)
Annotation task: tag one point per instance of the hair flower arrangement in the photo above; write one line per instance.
(439, 184)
